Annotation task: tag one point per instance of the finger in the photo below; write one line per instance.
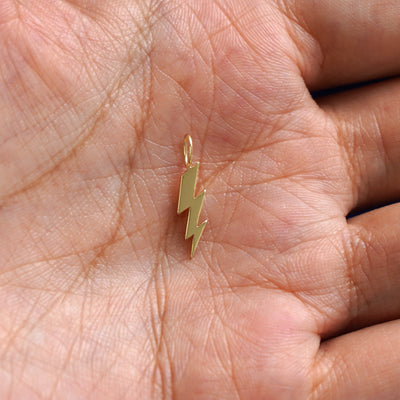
(370, 282)
(353, 41)
(368, 130)
(361, 365)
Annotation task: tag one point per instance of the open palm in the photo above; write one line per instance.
(285, 298)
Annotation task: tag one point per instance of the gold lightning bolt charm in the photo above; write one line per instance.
(187, 201)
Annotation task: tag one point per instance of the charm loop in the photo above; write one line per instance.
(188, 150)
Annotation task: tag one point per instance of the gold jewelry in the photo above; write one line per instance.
(187, 199)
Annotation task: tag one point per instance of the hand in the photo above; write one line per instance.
(285, 297)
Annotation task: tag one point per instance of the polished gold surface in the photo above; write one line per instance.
(187, 199)
(188, 150)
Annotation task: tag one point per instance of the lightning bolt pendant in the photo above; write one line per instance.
(187, 199)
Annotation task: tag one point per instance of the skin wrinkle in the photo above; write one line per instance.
(213, 74)
(14, 15)
(346, 303)
(260, 207)
(292, 11)
(147, 101)
(157, 318)
(351, 150)
(117, 355)
(215, 318)
(347, 148)
(157, 327)
(318, 379)
(384, 150)
(10, 58)
(371, 128)
(158, 321)
(234, 24)
(126, 177)
(364, 243)
(98, 117)
(336, 364)
(68, 355)
(244, 151)
(83, 9)
(230, 360)
(97, 249)
(355, 294)
(59, 164)
(108, 244)
(282, 287)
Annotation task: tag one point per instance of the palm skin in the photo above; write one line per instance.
(99, 299)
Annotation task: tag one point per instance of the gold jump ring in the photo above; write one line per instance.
(188, 150)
